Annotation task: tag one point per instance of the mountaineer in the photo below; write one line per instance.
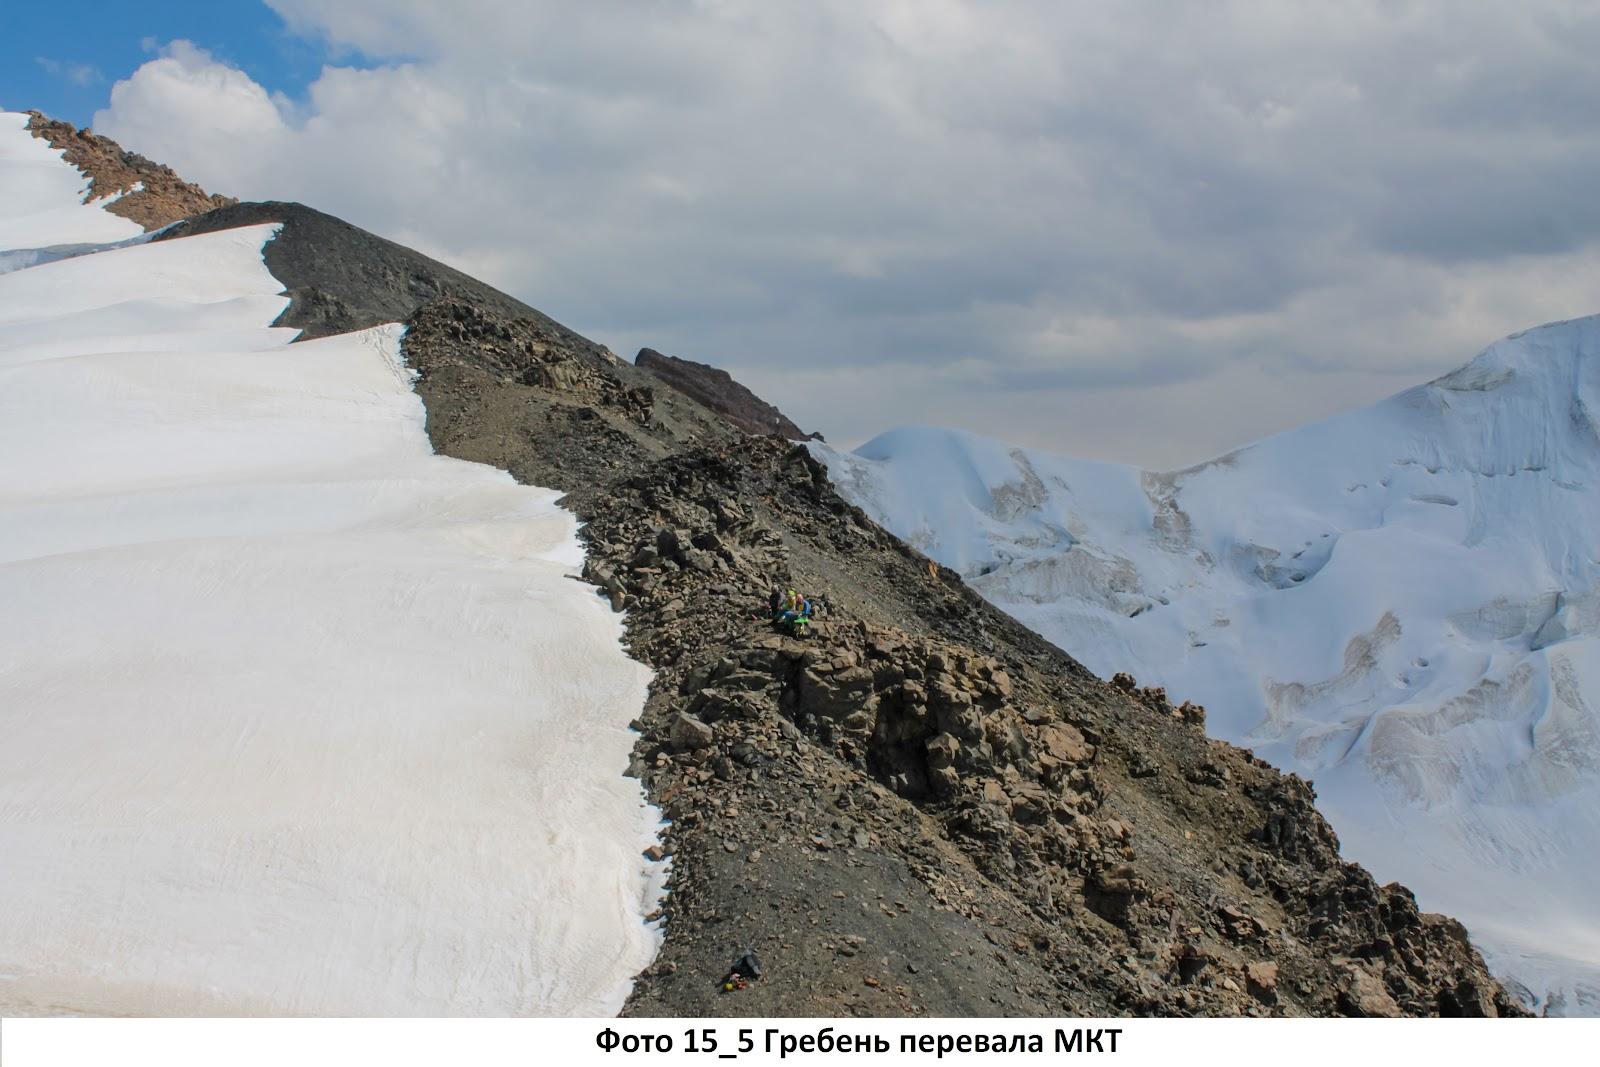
(790, 611)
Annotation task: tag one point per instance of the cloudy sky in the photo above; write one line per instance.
(1134, 231)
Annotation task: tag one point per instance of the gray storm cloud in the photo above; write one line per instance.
(1133, 231)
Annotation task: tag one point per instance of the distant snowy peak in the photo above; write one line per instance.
(1526, 403)
(1400, 601)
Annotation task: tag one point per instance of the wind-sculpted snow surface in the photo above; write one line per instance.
(298, 717)
(1399, 603)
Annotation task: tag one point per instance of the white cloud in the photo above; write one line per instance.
(221, 118)
(1030, 218)
(80, 74)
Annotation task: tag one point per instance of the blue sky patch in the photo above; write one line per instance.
(60, 59)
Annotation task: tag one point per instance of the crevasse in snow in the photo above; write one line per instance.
(1399, 603)
(298, 717)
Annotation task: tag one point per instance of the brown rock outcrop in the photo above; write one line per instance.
(716, 389)
(153, 195)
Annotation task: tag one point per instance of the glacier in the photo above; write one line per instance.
(1398, 603)
(299, 718)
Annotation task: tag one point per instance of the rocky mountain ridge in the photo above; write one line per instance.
(923, 808)
(151, 194)
(922, 762)
(717, 390)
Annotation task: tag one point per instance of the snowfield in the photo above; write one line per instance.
(1399, 603)
(299, 718)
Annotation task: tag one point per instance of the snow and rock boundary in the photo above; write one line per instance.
(340, 278)
(1089, 851)
(133, 187)
(300, 717)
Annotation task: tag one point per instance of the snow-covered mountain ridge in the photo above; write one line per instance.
(299, 717)
(1399, 603)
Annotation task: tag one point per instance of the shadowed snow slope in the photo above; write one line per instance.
(299, 718)
(1399, 602)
